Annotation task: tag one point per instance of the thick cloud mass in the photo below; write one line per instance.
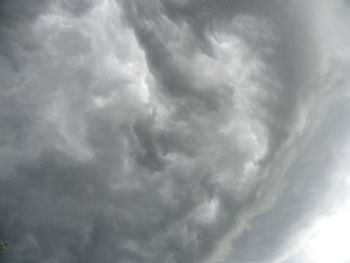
(168, 131)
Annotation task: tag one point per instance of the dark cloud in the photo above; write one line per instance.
(167, 131)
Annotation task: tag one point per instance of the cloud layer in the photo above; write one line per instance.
(170, 130)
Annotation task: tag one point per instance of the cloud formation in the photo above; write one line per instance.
(170, 130)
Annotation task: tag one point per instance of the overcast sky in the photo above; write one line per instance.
(175, 131)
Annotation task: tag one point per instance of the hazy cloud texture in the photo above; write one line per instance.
(168, 131)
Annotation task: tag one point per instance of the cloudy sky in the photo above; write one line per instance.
(175, 131)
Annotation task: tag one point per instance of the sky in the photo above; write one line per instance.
(175, 131)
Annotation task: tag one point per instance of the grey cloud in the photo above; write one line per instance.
(307, 194)
(21, 11)
(292, 64)
(163, 131)
(77, 7)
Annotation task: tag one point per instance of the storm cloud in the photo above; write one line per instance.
(174, 130)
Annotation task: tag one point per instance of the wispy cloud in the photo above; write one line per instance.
(170, 131)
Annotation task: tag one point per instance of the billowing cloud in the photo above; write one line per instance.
(172, 131)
